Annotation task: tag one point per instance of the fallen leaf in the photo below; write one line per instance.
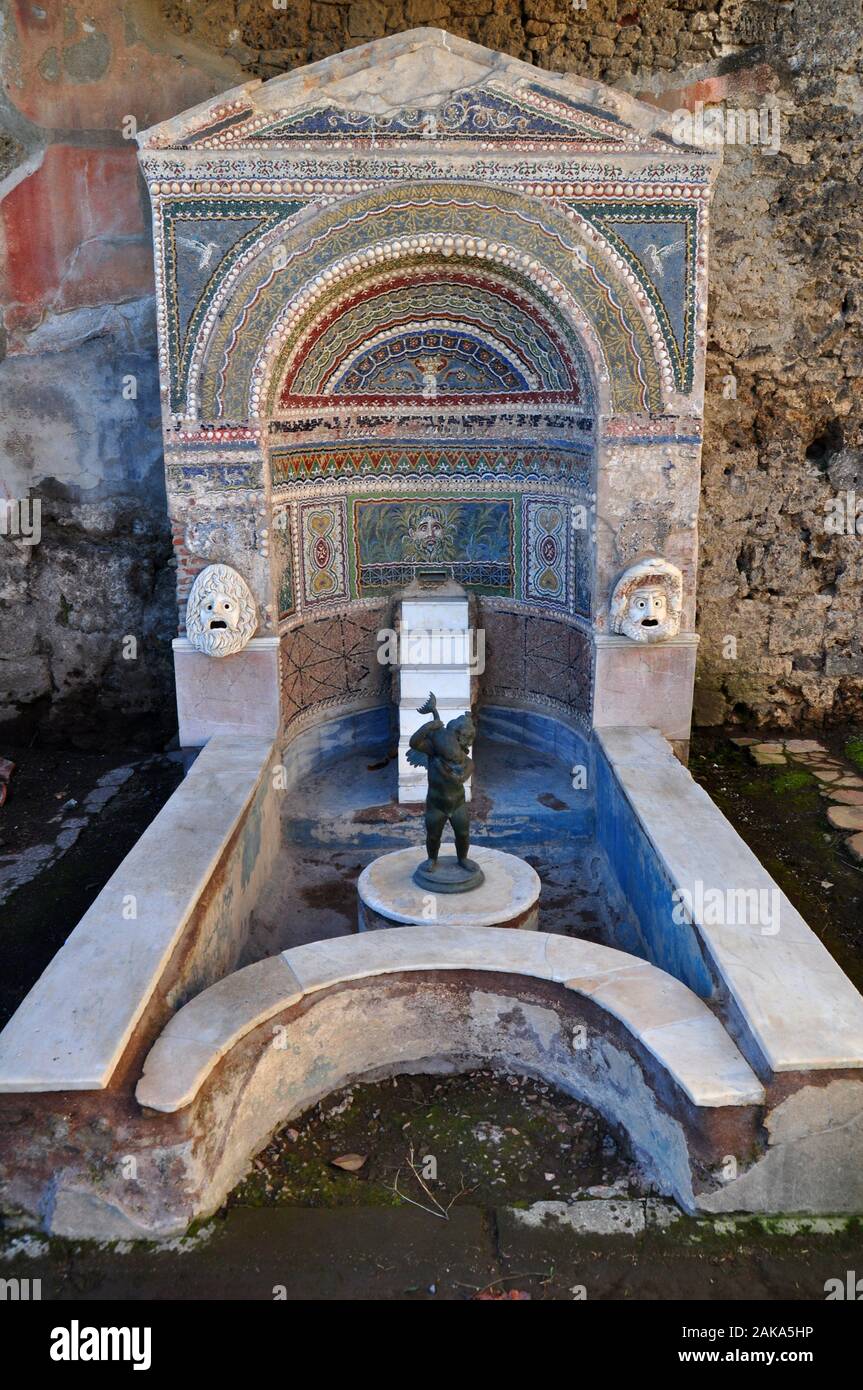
(352, 1163)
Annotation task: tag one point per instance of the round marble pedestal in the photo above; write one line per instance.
(508, 897)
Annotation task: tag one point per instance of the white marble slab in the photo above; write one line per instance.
(433, 615)
(438, 648)
(639, 681)
(236, 695)
(451, 688)
(801, 1009)
(72, 1028)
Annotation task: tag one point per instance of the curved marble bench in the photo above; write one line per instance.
(663, 1015)
(261, 1046)
(671, 1022)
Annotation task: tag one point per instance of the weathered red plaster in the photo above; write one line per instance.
(66, 230)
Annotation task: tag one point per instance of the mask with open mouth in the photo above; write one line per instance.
(221, 616)
(647, 601)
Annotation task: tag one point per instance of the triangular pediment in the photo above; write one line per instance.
(424, 86)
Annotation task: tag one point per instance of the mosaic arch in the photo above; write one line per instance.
(423, 306)
(546, 256)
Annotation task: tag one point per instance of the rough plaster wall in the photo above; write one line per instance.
(785, 313)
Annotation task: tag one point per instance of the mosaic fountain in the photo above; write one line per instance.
(429, 316)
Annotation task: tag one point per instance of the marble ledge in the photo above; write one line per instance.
(800, 1008)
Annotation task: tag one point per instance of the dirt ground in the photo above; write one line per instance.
(440, 1140)
(69, 820)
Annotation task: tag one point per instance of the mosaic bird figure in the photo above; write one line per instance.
(656, 254)
(205, 249)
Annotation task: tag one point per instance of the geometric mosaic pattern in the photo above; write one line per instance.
(547, 659)
(333, 659)
(425, 460)
(546, 551)
(468, 115)
(388, 317)
(535, 114)
(323, 550)
(529, 548)
(445, 360)
(333, 277)
(425, 320)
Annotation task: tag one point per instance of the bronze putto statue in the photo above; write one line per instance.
(445, 750)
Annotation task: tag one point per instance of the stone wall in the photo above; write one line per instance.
(779, 592)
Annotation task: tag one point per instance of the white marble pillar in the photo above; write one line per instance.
(435, 654)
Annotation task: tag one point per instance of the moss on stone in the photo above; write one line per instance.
(793, 781)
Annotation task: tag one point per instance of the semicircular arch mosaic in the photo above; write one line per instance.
(440, 356)
(582, 280)
(482, 316)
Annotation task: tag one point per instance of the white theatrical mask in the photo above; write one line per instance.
(647, 601)
(221, 616)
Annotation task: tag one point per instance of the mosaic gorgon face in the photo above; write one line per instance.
(221, 616)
